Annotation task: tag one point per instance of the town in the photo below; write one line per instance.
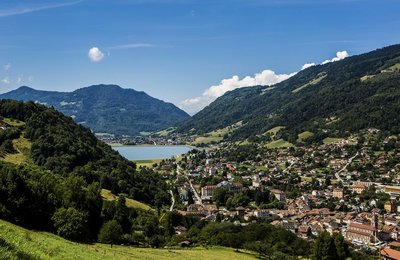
(342, 185)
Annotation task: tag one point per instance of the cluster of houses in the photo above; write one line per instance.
(362, 222)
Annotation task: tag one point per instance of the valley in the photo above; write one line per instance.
(260, 172)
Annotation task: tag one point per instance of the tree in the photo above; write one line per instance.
(220, 195)
(110, 232)
(71, 224)
(325, 248)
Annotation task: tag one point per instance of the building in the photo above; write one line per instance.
(392, 190)
(390, 254)
(262, 213)
(358, 188)
(390, 206)
(304, 231)
(338, 193)
(279, 195)
(207, 191)
(361, 233)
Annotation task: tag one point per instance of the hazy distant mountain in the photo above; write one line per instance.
(107, 108)
(355, 93)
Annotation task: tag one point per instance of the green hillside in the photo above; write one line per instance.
(353, 91)
(107, 108)
(19, 243)
(53, 172)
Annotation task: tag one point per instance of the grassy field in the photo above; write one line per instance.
(304, 135)
(19, 243)
(130, 203)
(394, 68)
(275, 130)
(22, 146)
(315, 81)
(13, 122)
(216, 135)
(330, 140)
(279, 144)
(165, 132)
(146, 163)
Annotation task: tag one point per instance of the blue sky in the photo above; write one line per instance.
(176, 50)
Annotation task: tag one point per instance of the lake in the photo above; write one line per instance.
(145, 152)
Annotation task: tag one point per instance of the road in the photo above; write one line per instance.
(173, 200)
(337, 174)
(198, 198)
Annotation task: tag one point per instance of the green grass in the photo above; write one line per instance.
(216, 135)
(130, 203)
(330, 140)
(146, 163)
(312, 82)
(19, 243)
(304, 135)
(23, 147)
(279, 144)
(275, 130)
(13, 122)
(394, 68)
(165, 132)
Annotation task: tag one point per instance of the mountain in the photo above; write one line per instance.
(358, 92)
(107, 108)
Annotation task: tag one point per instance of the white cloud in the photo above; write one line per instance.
(95, 54)
(340, 55)
(7, 66)
(307, 65)
(265, 78)
(6, 80)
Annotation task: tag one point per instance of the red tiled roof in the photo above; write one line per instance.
(362, 226)
(390, 253)
(359, 186)
(395, 244)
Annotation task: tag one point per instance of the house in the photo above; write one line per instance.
(358, 188)
(304, 231)
(391, 221)
(390, 254)
(392, 190)
(279, 195)
(362, 233)
(262, 213)
(390, 206)
(207, 191)
(256, 182)
(179, 230)
(338, 193)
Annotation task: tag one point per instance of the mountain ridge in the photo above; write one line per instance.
(107, 108)
(349, 92)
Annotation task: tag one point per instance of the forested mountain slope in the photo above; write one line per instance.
(357, 92)
(53, 170)
(107, 108)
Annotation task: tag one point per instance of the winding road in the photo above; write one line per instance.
(337, 174)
